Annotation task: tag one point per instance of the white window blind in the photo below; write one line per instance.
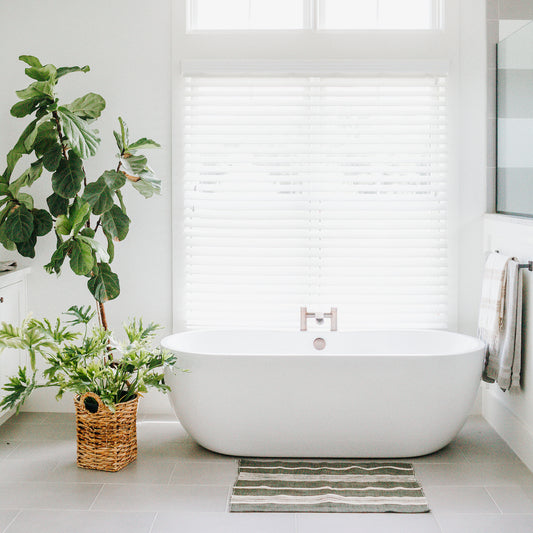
(315, 191)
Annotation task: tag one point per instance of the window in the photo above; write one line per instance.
(318, 191)
(246, 14)
(314, 14)
(379, 14)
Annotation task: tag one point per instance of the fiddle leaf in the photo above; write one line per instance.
(62, 71)
(98, 196)
(42, 221)
(32, 61)
(88, 107)
(19, 149)
(83, 141)
(19, 224)
(81, 257)
(116, 223)
(57, 205)
(143, 144)
(79, 213)
(43, 73)
(28, 106)
(104, 285)
(67, 179)
(114, 180)
(27, 248)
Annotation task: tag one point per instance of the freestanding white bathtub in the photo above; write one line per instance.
(366, 394)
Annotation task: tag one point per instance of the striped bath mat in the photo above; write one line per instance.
(313, 486)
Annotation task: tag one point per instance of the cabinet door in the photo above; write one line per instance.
(10, 309)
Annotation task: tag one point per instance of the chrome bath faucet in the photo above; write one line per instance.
(319, 317)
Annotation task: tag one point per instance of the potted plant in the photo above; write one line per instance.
(105, 375)
(88, 218)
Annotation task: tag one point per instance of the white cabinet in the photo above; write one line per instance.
(12, 310)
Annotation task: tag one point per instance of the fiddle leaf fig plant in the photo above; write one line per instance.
(88, 216)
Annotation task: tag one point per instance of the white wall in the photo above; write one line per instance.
(511, 413)
(127, 43)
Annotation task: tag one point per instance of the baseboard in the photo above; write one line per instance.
(510, 428)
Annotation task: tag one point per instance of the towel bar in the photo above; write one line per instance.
(528, 265)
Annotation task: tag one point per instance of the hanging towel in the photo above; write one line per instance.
(500, 321)
(492, 301)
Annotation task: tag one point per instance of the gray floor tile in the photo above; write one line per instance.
(486, 523)
(155, 418)
(60, 418)
(50, 450)
(33, 418)
(191, 451)
(140, 471)
(479, 450)
(6, 517)
(188, 486)
(199, 498)
(81, 522)
(28, 431)
(224, 523)
(22, 470)
(460, 500)
(513, 499)
(480, 474)
(367, 523)
(451, 454)
(47, 495)
(208, 473)
(7, 447)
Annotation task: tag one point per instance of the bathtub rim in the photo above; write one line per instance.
(476, 343)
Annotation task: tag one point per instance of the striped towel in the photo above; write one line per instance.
(326, 486)
(500, 320)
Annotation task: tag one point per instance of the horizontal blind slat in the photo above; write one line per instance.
(315, 190)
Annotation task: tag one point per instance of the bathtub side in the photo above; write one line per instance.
(325, 406)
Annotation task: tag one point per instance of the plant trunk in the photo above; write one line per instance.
(101, 315)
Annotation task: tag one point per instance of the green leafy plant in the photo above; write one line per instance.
(59, 138)
(79, 358)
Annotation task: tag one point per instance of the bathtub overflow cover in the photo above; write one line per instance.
(319, 343)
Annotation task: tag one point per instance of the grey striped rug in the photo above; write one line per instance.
(272, 485)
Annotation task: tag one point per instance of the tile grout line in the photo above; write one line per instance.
(153, 522)
(172, 473)
(12, 520)
(295, 523)
(96, 497)
(495, 502)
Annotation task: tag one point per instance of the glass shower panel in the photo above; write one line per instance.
(514, 182)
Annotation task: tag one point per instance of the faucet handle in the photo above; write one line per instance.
(303, 318)
(333, 317)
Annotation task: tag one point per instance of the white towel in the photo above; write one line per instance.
(500, 321)
(491, 307)
(6, 266)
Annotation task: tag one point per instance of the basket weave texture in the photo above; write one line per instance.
(106, 440)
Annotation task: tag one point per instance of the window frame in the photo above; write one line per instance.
(313, 17)
(365, 49)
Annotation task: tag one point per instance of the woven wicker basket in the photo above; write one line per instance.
(106, 440)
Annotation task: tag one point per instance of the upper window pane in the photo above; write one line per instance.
(246, 14)
(379, 14)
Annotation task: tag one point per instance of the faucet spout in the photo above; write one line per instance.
(319, 317)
